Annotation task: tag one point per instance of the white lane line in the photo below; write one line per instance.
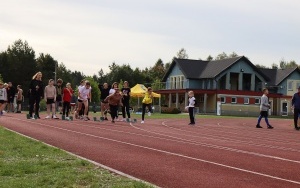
(175, 154)
(225, 139)
(86, 159)
(192, 142)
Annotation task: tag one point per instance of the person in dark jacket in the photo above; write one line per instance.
(35, 92)
(11, 92)
(296, 106)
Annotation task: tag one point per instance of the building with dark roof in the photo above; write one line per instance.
(229, 87)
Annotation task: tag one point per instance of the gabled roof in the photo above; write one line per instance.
(198, 69)
(276, 76)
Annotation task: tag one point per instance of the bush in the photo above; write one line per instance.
(167, 110)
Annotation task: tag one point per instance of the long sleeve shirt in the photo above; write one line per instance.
(296, 101)
(264, 103)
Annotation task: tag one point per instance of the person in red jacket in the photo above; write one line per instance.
(67, 95)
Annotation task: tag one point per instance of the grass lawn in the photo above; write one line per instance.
(28, 163)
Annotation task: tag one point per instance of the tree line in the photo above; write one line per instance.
(19, 63)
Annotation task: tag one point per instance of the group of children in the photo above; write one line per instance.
(9, 96)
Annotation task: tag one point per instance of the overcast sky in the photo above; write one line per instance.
(87, 35)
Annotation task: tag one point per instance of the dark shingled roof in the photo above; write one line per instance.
(198, 69)
(276, 76)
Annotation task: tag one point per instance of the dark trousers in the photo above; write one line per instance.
(125, 107)
(34, 102)
(113, 111)
(144, 110)
(296, 113)
(192, 114)
(66, 108)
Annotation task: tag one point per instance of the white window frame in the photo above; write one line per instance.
(224, 100)
(246, 100)
(258, 100)
(235, 100)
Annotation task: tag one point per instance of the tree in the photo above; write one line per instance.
(20, 64)
(181, 54)
(46, 64)
(95, 90)
(1, 79)
(221, 56)
(158, 70)
(284, 64)
(233, 54)
(209, 58)
(274, 66)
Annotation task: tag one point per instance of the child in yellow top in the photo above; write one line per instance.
(147, 101)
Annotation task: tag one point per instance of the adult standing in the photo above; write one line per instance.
(35, 94)
(11, 92)
(296, 106)
(19, 98)
(125, 100)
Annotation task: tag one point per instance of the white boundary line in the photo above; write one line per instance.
(176, 154)
(91, 161)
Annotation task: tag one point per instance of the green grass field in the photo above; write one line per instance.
(28, 163)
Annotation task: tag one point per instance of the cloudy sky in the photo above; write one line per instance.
(87, 35)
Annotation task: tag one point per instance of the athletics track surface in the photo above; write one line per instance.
(217, 152)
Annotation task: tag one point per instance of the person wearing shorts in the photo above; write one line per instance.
(114, 100)
(50, 98)
(84, 96)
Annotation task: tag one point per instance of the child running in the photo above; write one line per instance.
(147, 101)
(84, 96)
(191, 106)
(114, 100)
(264, 108)
(50, 98)
(67, 94)
(3, 97)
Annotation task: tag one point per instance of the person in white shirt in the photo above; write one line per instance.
(84, 96)
(115, 86)
(79, 107)
(3, 97)
(191, 106)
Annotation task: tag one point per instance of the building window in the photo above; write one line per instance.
(257, 100)
(233, 99)
(290, 85)
(223, 100)
(246, 100)
(297, 85)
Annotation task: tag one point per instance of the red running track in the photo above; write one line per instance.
(219, 152)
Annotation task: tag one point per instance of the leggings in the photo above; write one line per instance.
(66, 107)
(144, 109)
(125, 107)
(34, 102)
(113, 111)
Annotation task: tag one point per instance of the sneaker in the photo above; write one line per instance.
(149, 113)
(258, 126)
(32, 118)
(297, 128)
(85, 119)
(191, 123)
(67, 118)
(55, 117)
(47, 117)
(106, 119)
(142, 122)
(113, 121)
(270, 127)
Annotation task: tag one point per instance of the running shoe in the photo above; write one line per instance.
(47, 117)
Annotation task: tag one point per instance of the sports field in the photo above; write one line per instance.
(216, 152)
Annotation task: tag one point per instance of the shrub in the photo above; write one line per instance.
(168, 110)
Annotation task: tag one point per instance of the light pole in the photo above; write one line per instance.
(55, 72)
